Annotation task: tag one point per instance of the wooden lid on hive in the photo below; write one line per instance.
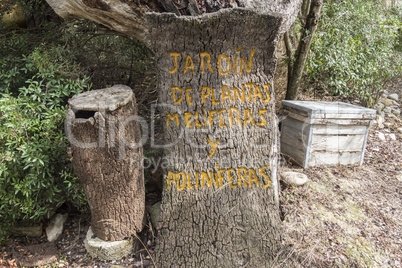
(108, 99)
(327, 109)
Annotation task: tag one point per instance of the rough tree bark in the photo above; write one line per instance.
(295, 69)
(220, 196)
(103, 136)
(128, 17)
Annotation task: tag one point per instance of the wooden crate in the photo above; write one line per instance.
(324, 133)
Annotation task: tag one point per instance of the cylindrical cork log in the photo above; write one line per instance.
(104, 132)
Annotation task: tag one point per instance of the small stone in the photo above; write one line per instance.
(396, 111)
(387, 110)
(392, 136)
(386, 102)
(27, 229)
(294, 178)
(107, 250)
(55, 228)
(392, 116)
(393, 96)
(381, 136)
(399, 129)
(399, 176)
(380, 121)
(379, 106)
(387, 124)
(154, 212)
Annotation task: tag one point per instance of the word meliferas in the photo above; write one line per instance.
(233, 178)
(226, 117)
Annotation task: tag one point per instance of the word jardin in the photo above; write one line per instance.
(234, 177)
(205, 63)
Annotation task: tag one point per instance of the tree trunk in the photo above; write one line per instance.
(220, 188)
(107, 157)
(294, 78)
(128, 17)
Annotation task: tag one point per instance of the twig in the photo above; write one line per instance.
(78, 236)
(136, 236)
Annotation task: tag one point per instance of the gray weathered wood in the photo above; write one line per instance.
(337, 143)
(296, 154)
(107, 158)
(319, 108)
(333, 159)
(325, 133)
(108, 99)
(339, 129)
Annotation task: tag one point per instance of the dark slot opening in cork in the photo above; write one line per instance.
(84, 114)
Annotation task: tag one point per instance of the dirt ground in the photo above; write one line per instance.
(343, 217)
(348, 216)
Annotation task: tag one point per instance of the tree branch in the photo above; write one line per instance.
(128, 17)
(303, 49)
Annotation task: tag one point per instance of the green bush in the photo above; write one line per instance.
(353, 50)
(15, 68)
(35, 174)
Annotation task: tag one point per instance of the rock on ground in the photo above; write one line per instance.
(294, 178)
(393, 96)
(379, 107)
(396, 111)
(381, 136)
(392, 136)
(31, 230)
(387, 110)
(386, 102)
(55, 228)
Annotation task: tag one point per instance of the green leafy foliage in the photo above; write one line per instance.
(353, 52)
(35, 174)
(15, 68)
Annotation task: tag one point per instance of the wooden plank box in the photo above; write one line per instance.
(324, 133)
